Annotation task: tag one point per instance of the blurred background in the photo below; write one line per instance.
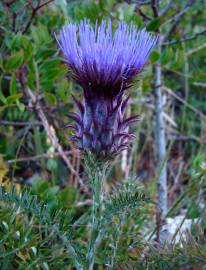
(35, 99)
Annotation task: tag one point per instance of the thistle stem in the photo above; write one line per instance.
(117, 234)
(97, 175)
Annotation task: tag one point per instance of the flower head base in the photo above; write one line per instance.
(104, 64)
(101, 128)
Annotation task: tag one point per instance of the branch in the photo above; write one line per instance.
(10, 3)
(14, 15)
(34, 158)
(176, 18)
(142, 14)
(139, 3)
(167, 8)
(34, 104)
(196, 49)
(20, 124)
(154, 6)
(52, 135)
(188, 105)
(160, 144)
(160, 138)
(182, 40)
(143, 3)
(199, 84)
(34, 11)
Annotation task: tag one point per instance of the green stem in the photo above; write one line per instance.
(115, 244)
(96, 173)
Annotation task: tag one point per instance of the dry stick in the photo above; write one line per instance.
(18, 149)
(160, 139)
(14, 16)
(52, 135)
(199, 84)
(177, 16)
(125, 156)
(34, 158)
(176, 19)
(172, 93)
(174, 71)
(20, 124)
(186, 88)
(139, 3)
(154, 6)
(34, 11)
(167, 8)
(182, 40)
(196, 49)
(145, 3)
(142, 14)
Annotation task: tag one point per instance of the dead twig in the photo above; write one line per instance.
(52, 135)
(186, 39)
(34, 11)
(154, 6)
(167, 8)
(34, 158)
(172, 93)
(196, 49)
(20, 124)
(34, 104)
(142, 14)
(176, 19)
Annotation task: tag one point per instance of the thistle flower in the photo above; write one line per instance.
(104, 64)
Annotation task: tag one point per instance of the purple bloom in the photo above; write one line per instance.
(104, 64)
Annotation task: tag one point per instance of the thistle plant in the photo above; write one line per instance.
(104, 63)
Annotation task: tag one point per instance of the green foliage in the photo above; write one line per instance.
(125, 198)
(155, 24)
(29, 228)
(49, 220)
(189, 252)
(154, 57)
(15, 61)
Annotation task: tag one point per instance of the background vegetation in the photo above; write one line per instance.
(37, 158)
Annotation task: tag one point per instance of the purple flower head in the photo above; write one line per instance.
(104, 63)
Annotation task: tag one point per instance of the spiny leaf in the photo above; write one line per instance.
(123, 200)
